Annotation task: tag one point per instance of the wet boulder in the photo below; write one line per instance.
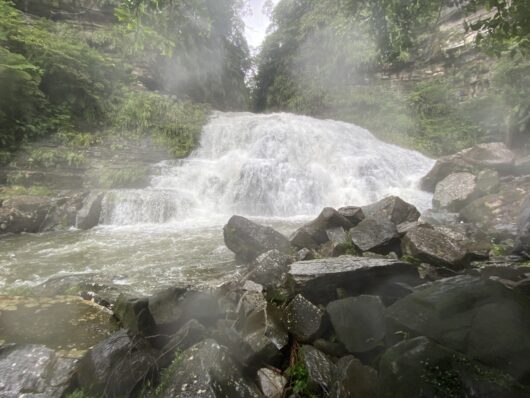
(522, 243)
(359, 322)
(337, 243)
(134, 315)
(270, 269)
(353, 214)
(117, 366)
(304, 320)
(314, 233)
(271, 383)
(248, 240)
(478, 317)
(34, 370)
(318, 280)
(421, 368)
(376, 235)
(488, 181)
(207, 370)
(433, 247)
(354, 380)
(88, 216)
(320, 368)
(455, 191)
(393, 209)
(24, 214)
(188, 335)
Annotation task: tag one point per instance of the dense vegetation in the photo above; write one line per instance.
(74, 69)
(327, 58)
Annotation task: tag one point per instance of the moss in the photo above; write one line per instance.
(498, 250)
(167, 374)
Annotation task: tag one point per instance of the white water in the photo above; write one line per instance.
(278, 165)
(282, 168)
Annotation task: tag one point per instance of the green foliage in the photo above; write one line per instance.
(167, 374)
(175, 125)
(299, 380)
(131, 177)
(53, 157)
(497, 250)
(17, 190)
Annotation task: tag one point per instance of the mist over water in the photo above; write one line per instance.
(279, 169)
(278, 165)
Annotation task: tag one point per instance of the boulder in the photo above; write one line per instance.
(320, 369)
(455, 191)
(480, 318)
(24, 214)
(207, 370)
(522, 243)
(188, 335)
(421, 368)
(354, 380)
(88, 216)
(488, 181)
(359, 322)
(271, 383)
(248, 240)
(34, 371)
(304, 320)
(433, 247)
(270, 269)
(376, 235)
(522, 166)
(393, 209)
(117, 366)
(134, 315)
(353, 214)
(318, 280)
(305, 254)
(314, 233)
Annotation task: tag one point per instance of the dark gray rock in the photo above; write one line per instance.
(478, 317)
(303, 319)
(359, 322)
(352, 213)
(320, 369)
(376, 235)
(393, 209)
(314, 233)
(164, 306)
(522, 243)
(331, 348)
(188, 335)
(305, 254)
(88, 216)
(421, 368)
(488, 181)
(270, 269)
(133, 314)
(24, 214)
(271, 383)
(248, 239)
(433, 247)
(318, 280)
(34, 371)
(117, 366)
(354, 380)
(207, 370)
(455, 191)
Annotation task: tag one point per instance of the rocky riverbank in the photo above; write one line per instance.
(372, 301)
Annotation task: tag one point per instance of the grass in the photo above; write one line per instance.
(17, 190)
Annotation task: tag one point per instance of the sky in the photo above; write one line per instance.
(256, 23)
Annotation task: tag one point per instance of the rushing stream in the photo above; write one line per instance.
(280, 168)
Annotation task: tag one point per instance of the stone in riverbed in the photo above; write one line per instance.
(207, 370)
(359, 322)
(271, 383)
(88, 216)
(133, 314)
(318, 280)
(354, 380)
(455, 191)
(248, 239)
(303, 319)
(270, 269)
(314, 233)
(376, 235)
(34, 370)
(433, 247)
(320, 369)
(352, 213)
(116, 366)
(188, 335)
(393, 209)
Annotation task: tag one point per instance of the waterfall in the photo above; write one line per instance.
(276, 165)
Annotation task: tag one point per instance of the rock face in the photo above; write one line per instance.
(433, 247)
(358, 322)
(248, 239)
(393, 209)
(494, 156)
(455, 191)
(88, 216)
(34, 370)
(480, 318)
(375, 235)
(421, 368)
(116, 366)
(522, 243)
(314, 233)
(318, 280)
(207, 370)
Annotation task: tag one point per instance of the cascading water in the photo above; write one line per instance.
(278, 165)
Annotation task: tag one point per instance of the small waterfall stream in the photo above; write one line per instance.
(277, 165)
